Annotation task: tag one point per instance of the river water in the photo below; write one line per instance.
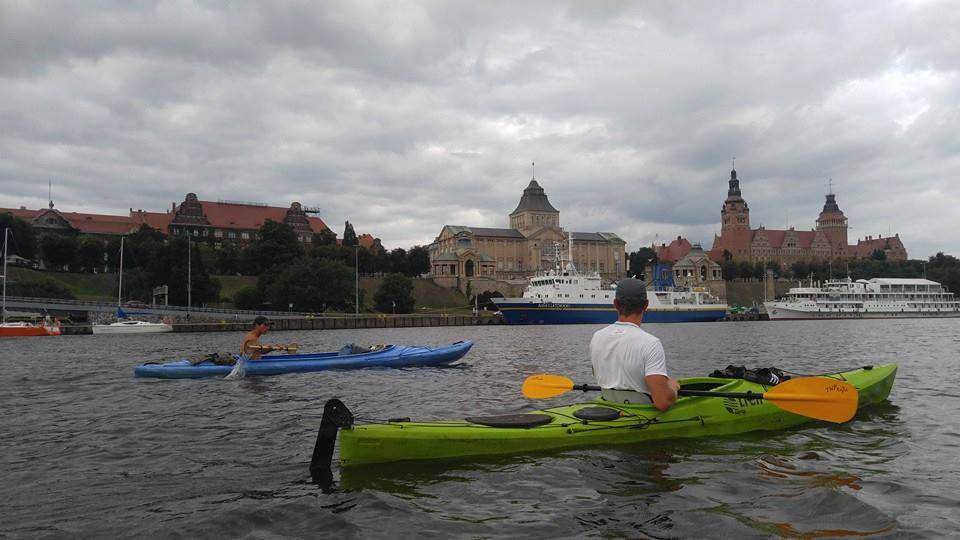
(88, 450)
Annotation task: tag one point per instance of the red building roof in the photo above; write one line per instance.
(83, 222)
(225, 215)
(677, 250)
(865, 248)
(157, 220)
(220, 215)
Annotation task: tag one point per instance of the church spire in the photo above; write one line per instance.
(734, 190)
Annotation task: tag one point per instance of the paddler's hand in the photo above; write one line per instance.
(674, 385)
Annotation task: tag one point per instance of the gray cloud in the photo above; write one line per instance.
(404, 117)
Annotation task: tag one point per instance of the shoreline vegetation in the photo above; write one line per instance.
(278, 271)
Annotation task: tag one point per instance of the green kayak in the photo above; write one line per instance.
(582, 424)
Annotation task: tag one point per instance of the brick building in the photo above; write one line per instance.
(828, 240)
(530, 245)
(214, 222)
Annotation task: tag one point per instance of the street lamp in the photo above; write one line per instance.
(356, 290)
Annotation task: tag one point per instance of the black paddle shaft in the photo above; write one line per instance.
(682, 392)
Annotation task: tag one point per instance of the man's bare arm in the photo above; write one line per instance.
(663, 390)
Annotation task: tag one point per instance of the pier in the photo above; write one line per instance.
(322, 323)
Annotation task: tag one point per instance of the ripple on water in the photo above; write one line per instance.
(96, 452)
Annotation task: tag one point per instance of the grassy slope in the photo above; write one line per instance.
(83, 286)
(104, 286)
(229, 285)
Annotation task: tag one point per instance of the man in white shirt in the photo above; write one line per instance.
(629, 364)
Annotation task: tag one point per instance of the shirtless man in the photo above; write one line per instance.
(251, 347)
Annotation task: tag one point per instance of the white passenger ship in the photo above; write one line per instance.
(878, 298)
(565, 296)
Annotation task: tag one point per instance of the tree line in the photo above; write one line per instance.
(316, 279)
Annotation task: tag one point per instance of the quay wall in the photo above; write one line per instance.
(322, 323)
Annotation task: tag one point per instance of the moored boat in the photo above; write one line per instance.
(566, 296)
(18, 329)
(573, 298)
(48, 327)
(132, 327)
(582, 424)
(877, 298)
(393, 356)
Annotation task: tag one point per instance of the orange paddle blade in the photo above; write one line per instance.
(822, 398)
(544, 386)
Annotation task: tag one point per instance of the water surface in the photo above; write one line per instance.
(89, 450)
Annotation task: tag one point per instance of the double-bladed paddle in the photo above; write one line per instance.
(822, 398)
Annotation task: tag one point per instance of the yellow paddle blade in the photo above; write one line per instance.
(544, 386)
(822, 398)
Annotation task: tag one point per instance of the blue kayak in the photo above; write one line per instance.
(389, 356)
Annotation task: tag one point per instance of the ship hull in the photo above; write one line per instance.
(514, 313)
(781, 313)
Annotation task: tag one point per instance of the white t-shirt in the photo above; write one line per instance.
(622, 355)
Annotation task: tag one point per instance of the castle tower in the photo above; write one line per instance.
(534, 211)
(735, 215)
(834, 224)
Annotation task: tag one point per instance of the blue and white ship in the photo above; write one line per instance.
(569, 297)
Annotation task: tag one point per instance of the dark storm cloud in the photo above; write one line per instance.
(402, 117)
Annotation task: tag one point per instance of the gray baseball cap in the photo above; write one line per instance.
(631, 290)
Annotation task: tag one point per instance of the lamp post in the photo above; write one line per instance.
(356, 290)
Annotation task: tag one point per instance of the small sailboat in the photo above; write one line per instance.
(128, 326)
(48, 327)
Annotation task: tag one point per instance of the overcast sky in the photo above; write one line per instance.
(403, 117)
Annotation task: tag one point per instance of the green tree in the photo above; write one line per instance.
(247, 298)
(59, 252)
(639, 260)
(349, 235)
(395, 294)
(418, 261)
(326, 237)
(23, 241)
(310, 285)
(398, 262)
(878, 255)
(90, 254)
(276, 244)
(333, 252)
(227, 259)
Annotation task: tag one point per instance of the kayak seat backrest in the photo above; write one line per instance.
(704, 386)
(598, 414)
(512, 420)
(625, 397)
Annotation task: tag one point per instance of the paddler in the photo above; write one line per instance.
(628, 363)
(251, 347)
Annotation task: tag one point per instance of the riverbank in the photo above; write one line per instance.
(322, 323)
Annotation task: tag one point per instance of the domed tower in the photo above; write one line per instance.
(735, 215)
(834, 224)
(534, 210)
